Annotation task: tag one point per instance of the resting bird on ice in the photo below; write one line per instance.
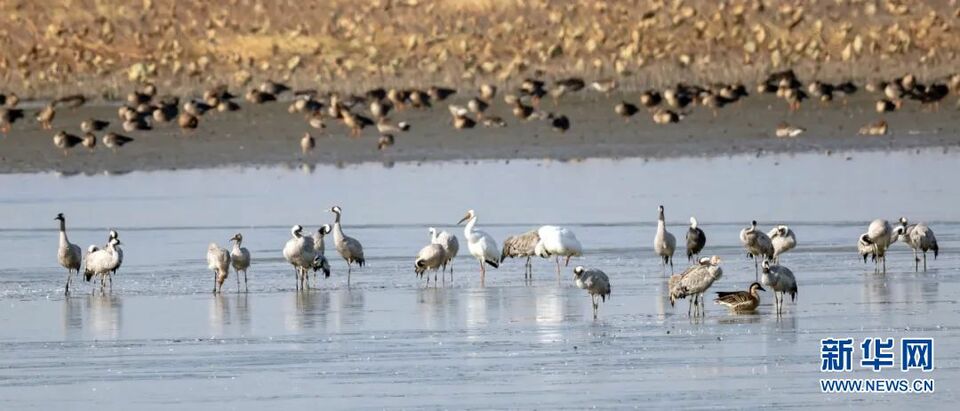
(783, 240)
(740, 301)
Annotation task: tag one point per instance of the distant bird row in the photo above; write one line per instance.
(144, 108)
(307, 254)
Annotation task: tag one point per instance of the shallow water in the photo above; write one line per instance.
(160, 338)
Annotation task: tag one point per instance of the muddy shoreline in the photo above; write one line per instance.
(261, 135)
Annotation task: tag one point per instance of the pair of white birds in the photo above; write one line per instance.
(545, 242)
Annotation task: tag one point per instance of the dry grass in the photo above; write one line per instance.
(55, 46)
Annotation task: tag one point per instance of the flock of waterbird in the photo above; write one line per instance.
(306, 254)
(146, 109)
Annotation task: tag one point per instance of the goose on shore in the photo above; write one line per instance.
(481, 245)
(68, 254)
(694, 281)
(758, 245)
(218, 260)
(595, 282)
(45, 116)
(781, 280)
(240, 260)
(349, 248)
(558, 242)
(307, 143)
(664, 243)
(430, 257)
(783, 240)
(741, 301)
(115, 141)
(519, 246)
(696, 240)
(450, 245)
(65, 141)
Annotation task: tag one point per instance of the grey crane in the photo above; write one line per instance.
(694, 281)
(430, 257)
(68, 254)
(595, 282)
(349, 248)
(240, 259)
(781, 280)
(664, 243)
(218, 260)
(758, 245)
(521, 245)
(783, 240)
(450, 244)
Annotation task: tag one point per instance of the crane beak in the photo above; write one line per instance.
(465, 218)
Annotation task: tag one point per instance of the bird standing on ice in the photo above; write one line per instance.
(481, 245)
(664, 243)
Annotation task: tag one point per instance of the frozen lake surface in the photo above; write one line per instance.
(161, 339)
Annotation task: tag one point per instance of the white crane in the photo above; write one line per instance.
(694, 281)
(558, 242)
(664, 243)
(595, 282)
(481, 245)
(783, 240)
(68, 254)
(757, 244)
(349, 248)
(240, 260)
(218, 260)
(450, 244)
(781, 280)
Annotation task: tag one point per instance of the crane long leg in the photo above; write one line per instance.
(349, 271)
(558, 267)
(245, 286)
(66, 290)
(671, 264)
(924, 261)
(238, 279)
